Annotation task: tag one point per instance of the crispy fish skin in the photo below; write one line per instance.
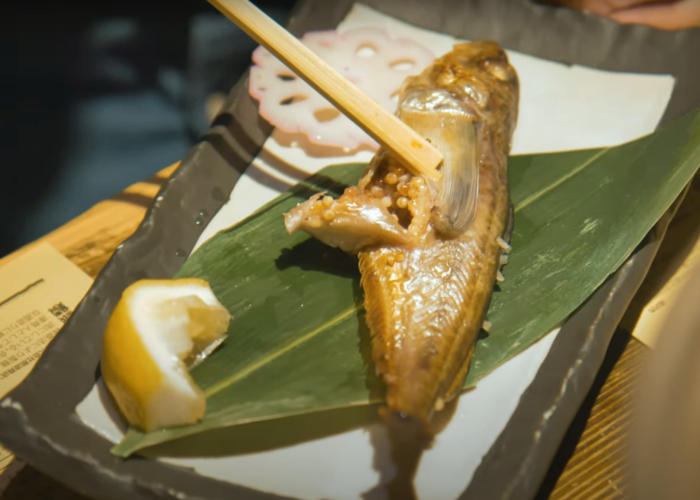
(429, 254)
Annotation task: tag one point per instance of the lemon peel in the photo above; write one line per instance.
(159, 330)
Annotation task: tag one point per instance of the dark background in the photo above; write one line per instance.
(106, 94)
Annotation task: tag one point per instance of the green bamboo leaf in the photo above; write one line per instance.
(298, 342)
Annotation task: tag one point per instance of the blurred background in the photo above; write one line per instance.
(107, 94)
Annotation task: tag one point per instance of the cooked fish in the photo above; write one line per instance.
(430, 252)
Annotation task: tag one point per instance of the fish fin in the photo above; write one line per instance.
(459, 193)
(406, 429)
(508, 233)
(458, 382)
(454, 133)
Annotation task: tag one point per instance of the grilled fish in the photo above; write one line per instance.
(430, 252)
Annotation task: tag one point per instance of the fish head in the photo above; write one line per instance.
(485, 60)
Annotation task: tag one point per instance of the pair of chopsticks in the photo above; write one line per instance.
(414, 151)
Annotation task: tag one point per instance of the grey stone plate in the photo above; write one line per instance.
(38, 421)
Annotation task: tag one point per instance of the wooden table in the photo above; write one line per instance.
(590, 464)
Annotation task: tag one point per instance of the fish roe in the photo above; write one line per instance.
(315, 221)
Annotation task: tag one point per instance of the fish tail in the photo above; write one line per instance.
(404, 428)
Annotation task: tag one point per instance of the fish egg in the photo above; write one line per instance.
(327, 201)
(503, 244)
(315, 221)
(377, 192)
(417, 182)
(402, 202)
(392, 178)
(386, 201)
(328, 214)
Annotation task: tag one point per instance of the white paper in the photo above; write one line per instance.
(561, 108)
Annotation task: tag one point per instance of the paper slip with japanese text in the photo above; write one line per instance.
(653, 318)
(38, 292)
(675, 262)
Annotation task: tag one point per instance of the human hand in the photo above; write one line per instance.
(661, 14)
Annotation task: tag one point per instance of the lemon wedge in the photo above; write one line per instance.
(158, 330)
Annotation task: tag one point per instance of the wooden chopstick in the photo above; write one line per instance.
(421, 157)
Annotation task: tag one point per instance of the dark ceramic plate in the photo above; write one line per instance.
(38, 420)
